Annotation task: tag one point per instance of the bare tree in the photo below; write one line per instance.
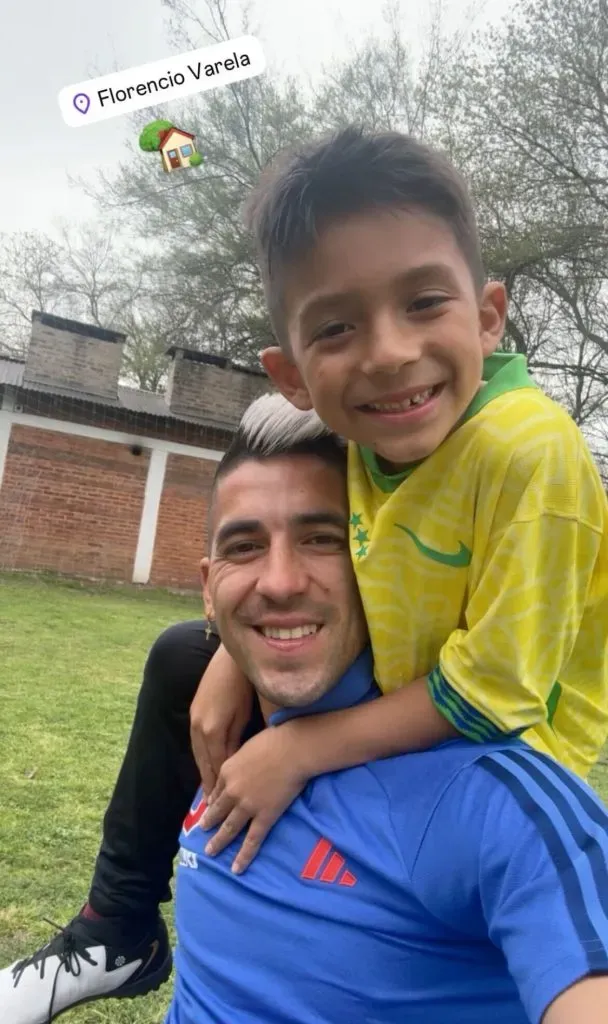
(521, 109)
(526, 120)
(91, 274)
(193, 225)
(28, 264)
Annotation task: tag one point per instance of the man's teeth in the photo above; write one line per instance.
(274, 633)
(417, 399)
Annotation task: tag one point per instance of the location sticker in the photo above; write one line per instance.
(162, 81)
(82, 102)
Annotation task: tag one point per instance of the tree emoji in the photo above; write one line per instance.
(149, 140)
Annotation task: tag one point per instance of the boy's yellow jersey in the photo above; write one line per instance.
(485, 568)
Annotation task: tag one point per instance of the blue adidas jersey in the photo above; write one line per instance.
(463, 884)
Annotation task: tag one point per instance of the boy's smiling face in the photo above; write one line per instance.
(387, 332)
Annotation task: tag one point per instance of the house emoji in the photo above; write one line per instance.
(176, 148)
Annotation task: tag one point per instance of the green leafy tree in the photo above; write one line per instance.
(196, 160)
(149, 139)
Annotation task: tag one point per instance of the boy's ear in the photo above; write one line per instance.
(286, 376)
(204, 570)
(492, 316)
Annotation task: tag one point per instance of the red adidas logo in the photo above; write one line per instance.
(194, 816)
(323, 870)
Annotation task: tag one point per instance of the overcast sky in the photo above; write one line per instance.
(49, 44)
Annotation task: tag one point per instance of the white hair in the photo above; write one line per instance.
(271, 424)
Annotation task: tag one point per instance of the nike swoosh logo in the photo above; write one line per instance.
(459, 560)
(155, 949)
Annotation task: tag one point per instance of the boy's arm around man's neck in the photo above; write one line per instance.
(396, 723)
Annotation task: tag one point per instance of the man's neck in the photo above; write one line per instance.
(355, 685)
(267, 708)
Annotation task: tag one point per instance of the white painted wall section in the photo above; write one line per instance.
(5, 436)
(8, 404)
(146, 540)
(103, 434)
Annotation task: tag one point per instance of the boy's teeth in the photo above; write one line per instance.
(288, 634)
(422, 396)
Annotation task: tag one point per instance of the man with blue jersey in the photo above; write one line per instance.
(463, 884)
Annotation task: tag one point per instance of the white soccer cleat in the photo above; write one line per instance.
(75, 968)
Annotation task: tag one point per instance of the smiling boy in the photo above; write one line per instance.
(479, 524)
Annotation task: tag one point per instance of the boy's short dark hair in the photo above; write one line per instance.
(352, 171)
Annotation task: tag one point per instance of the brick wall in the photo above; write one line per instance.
(198, 387)
(80, 358)
(70, 504)
(181, 533)
(76, 501)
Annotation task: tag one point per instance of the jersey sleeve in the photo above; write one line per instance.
(529, 587)
(527, 845)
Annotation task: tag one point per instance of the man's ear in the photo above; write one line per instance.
(492, 316)
(286, 376)
(204, 570)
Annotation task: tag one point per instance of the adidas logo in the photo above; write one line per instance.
(194, 816)
(325, 864)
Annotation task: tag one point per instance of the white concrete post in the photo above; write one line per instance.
(155, 480)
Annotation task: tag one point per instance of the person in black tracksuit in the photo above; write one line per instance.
(117, 945)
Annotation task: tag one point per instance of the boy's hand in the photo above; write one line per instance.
(256, 785)
(218, 715)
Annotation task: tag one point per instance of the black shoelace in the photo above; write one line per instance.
(69, 948)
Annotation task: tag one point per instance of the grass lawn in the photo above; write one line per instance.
(71, 656)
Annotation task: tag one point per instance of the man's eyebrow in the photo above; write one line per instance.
(237, 526)
(247, 527)
(436, 271)
(321, 518)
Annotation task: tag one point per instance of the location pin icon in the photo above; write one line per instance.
(81, 102)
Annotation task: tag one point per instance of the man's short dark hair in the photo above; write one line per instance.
(352, 171)
(272, 426)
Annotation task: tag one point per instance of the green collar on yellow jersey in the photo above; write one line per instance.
(502, 372)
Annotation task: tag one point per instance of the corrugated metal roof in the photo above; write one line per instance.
(150, 403)
(146, 403)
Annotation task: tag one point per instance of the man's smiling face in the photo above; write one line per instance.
(279, 578)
